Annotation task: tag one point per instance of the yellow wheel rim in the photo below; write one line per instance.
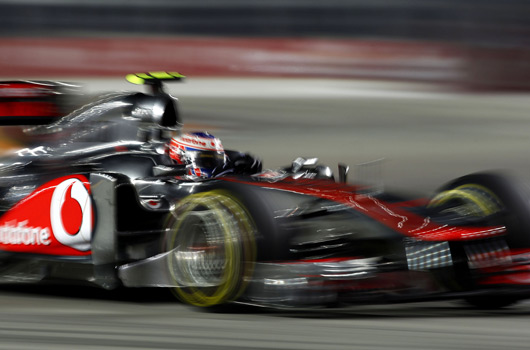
(479, 199)
(237, 229)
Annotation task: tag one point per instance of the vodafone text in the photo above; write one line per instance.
(17, 233)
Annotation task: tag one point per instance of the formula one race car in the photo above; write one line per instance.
(114, 194)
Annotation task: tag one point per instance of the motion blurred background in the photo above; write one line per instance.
(471, 44)
(437, 87)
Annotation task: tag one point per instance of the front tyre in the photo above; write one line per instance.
(486, 195)
(467, 200)
(211, 239)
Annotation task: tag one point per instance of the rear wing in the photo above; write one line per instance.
(42, 102)
(34, 102)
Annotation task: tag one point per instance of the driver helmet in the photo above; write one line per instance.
(201, 152)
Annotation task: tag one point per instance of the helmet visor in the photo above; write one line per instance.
(207, 159)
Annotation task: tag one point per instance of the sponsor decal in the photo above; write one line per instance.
(18, 233)
(55, 219)
(198, 143)
(194, 142)
(71, 214)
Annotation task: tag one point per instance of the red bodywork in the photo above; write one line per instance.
(55, 219)
(393, 215)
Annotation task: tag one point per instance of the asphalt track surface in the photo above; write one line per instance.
(426, 136)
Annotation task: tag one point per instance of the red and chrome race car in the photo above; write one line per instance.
(114, 194)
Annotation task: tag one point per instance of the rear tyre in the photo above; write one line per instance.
(211, 239)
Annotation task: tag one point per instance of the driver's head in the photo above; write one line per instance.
(201, 152)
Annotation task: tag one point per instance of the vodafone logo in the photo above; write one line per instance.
(71, 214)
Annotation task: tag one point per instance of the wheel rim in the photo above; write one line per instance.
(213, 248)
(469, 199)
(202, 253)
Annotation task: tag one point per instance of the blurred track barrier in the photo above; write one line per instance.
(348, 58)
(458, 66)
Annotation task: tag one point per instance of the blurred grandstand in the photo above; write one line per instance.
(478, 44)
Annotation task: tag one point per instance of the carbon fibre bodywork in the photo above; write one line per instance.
(97, 199)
